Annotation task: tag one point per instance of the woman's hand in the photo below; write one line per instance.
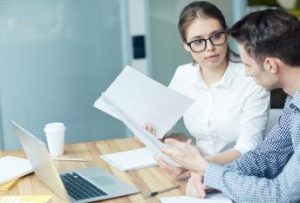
(195, 187)
(150, 129)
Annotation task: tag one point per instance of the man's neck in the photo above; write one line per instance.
(291, 82)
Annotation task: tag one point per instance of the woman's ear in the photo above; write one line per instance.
(186, 47)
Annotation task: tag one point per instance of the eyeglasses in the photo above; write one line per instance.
(199, 45)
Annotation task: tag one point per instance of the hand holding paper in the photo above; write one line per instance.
(137, 100)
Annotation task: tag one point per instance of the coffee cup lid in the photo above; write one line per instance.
(54, 127)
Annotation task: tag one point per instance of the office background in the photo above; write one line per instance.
(57, 56)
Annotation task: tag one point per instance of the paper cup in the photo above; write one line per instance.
(55, 135)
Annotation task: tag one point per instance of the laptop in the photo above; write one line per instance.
(97, 183)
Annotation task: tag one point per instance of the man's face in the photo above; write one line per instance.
(261, 75)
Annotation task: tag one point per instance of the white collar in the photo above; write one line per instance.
(225, 81)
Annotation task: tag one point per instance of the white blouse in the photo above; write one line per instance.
(230, 114)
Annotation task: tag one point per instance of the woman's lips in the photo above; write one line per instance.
(212, 58)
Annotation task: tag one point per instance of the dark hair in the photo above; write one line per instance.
(269, 33)
(199, 9)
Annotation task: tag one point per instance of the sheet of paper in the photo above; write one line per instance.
(131, 160)
(13, 167)
(25, 199)
(215, 198)
(145, 101)
(148, 139)
(137, 100)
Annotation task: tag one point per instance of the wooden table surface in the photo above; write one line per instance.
(146, 180)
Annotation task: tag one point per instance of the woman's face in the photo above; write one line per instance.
(204, 28)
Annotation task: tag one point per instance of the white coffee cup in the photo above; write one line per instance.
(55, 135)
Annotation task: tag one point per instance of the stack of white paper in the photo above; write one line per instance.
(131, 160)
(137, 100)
(215, 198)
(13, 167)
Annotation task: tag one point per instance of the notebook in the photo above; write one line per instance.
(131, 159)
(13, 167)
(97, 183)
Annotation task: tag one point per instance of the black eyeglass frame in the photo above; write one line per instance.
(208, 39)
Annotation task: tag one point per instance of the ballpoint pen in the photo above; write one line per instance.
(68, 159)
(152, 194)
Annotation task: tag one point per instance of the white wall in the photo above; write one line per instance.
(137, 26)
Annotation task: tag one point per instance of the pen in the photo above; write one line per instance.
(152, 194)
(68, 159)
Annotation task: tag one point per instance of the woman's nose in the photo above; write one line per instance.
(209, 45)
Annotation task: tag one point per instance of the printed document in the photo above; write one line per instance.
(137, 100)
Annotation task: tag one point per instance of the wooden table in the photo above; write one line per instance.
(146, 180)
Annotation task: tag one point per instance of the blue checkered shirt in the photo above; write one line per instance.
(270, 172)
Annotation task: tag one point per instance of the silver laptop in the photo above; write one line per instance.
(97, 183)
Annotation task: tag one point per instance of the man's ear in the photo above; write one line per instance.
(271, 65)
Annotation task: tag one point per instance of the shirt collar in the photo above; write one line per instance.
(199, 79)
(227, 78)
(295, 102)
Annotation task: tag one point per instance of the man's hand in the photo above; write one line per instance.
(176, 172)
(186, 155)
(195, 187)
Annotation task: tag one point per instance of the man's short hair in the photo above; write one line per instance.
(269, 33)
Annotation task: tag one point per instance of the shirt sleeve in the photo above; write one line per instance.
(244, 188)
(253, 119)
(270, 156)
(240, 188)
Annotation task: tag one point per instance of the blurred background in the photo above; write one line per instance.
(57, 56)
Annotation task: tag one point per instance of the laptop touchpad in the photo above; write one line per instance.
(102, 180)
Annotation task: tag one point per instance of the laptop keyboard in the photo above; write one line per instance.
(79, 188)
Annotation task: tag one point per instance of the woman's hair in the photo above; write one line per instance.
(198, 9)
(269, 33)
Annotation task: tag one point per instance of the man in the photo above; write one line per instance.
(269, 44)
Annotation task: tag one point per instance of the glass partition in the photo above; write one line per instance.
(56, 57)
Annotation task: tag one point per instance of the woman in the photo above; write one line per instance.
(230, 113)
